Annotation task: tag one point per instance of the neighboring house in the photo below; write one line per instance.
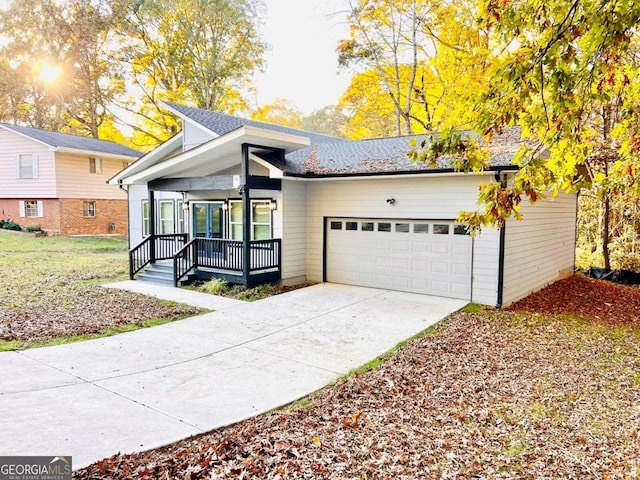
(59, 181)
(252, 202)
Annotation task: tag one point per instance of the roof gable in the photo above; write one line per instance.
(221, 123)
(75, 142)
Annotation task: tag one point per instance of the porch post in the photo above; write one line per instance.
(246, 216)
(152, 225)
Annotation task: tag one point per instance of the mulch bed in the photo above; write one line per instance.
(579, 295)
(488, 395)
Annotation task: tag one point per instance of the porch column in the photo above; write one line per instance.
(246, 216)
(152, 225)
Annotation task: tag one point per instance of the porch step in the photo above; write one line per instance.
(160, 273)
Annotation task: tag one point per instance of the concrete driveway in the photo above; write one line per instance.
(144, 389)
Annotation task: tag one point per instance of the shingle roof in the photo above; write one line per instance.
(386, 155)
(335, 156)
(221, 123)
(64, 140)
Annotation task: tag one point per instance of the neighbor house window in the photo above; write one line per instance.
(95, 165)
(27, 166)
(89, 209)
(31, 208)
(260, 219)
(146, 219)
(166, 216)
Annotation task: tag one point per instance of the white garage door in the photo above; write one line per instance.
(420, 256)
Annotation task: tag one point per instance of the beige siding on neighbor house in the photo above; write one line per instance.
(12, 144)
(75, 180)
(294, 235)
(540, 248)
(428, 197)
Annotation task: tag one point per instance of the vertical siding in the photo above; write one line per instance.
(294, 205)
(75, 180)
(539, 249)
(428, 197)
(44, 186)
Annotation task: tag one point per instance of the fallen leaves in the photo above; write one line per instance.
(492, 395)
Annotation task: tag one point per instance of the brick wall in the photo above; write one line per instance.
(73, 222)
(10, 210)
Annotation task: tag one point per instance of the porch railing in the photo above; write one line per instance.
(226, 255)
(154, 247)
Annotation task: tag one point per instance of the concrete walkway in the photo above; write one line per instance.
(147, 388)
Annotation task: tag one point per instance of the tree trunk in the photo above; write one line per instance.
(606, 213)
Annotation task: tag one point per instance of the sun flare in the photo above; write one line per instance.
(48, 73)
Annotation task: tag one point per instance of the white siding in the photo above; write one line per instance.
(137, 193)
(294, 204)
(430, 197)
(540, 248)
(44, 186)
(194, 136)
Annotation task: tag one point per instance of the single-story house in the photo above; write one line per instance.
(253, 202)
(58, 181)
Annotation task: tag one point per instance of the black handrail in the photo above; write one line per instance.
(165, 247)
(185, 260)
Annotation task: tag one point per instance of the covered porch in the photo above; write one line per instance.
(226, 235)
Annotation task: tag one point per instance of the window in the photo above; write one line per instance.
(89, 209)
(31, 208)
(367, 226)
(27, 166)
(420, 228)
(336, 225)
(351, 225)
(182, 226)
(402, 227)
(384, 227)
(235, 220)
(146, 220)
(166, 216)
(441, 229)
(95, 165)
(460, 230)
(260, 219)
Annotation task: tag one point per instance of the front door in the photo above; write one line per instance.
(208, 220)
(208, 223)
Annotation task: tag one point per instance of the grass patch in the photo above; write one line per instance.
(221, 287)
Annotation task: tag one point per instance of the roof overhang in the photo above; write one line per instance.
(95, 153)
(154, 156)
(217, 154)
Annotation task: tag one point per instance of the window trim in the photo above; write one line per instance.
(34, 166)
(146, 220)
(266, 201)
(95, 165)
(22, 207)
(161, 220)
(86, 211)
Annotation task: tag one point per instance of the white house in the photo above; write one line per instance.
(253, 202)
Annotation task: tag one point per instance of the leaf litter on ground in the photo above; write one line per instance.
(496, 394)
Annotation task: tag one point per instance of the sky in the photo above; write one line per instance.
(302, 65)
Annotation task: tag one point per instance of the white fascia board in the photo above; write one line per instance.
(382, 176)
(147, 160)
(155, 171)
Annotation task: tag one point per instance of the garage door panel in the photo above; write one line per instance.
(401, 255)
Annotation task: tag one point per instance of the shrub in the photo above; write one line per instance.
(215, 286)
(33, 228)
(9, 225)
